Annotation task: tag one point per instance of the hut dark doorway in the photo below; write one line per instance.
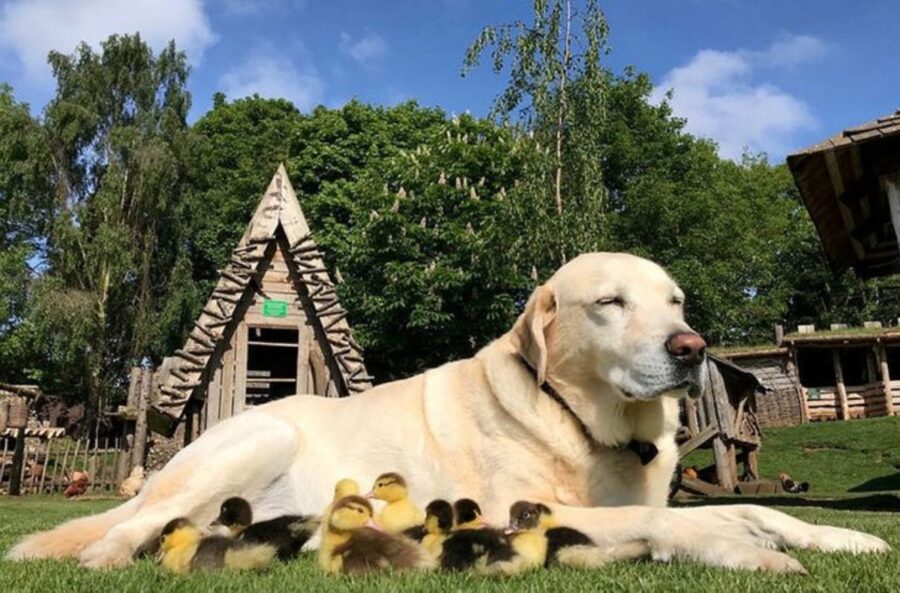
(816, 367)
(893, 360)
(272, 363)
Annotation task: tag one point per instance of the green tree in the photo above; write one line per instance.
(117, 133)
(420, 239)
(556, 93)
(26, 200)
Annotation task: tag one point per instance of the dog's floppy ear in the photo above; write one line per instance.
(530, 329)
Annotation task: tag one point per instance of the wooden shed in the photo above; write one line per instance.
(272, 327)
(723, 418)
(834, 374)
(850, 183)
(773, 366)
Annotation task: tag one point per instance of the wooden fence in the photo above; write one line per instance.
(49, 459)
(42, 460)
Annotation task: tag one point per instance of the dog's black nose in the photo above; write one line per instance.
(687, 347)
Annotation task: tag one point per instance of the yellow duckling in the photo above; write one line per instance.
(400, 513)
(184, 549)
(345, 487)
(353, 544)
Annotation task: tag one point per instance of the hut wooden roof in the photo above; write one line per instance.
(841, 182)
(278, 212)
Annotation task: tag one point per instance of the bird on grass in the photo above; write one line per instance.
(286, 533)
(791, 486)
(184, 549)
(400, 513)
(353, 544)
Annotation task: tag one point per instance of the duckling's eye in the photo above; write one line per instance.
(611, 300)
(678, 301)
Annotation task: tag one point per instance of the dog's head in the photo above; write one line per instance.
(612, 319)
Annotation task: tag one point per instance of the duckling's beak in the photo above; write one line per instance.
(370, 494)
(217, 522)
(373, 524)
(509, 531)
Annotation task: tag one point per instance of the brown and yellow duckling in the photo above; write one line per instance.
(352, 543)
(184, 549)
(286, 533)
(400, 513)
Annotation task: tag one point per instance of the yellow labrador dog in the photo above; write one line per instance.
(576, 406)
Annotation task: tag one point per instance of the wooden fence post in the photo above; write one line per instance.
(140, 429)
(841, 388)
(18, 464)
(881, 351)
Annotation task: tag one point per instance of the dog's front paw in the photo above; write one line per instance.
(745, 557)
(107, 553)
(838, 539)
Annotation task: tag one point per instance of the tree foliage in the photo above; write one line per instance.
(117, 135)
(115, 215)
(555, 93)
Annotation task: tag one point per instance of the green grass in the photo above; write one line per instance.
(836, 458)
(828, 572)
(854, 456)
(839, 459)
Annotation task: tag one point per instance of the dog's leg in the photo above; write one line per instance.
(775, 529)
(70, 538)
(255, 454)
(670, 535)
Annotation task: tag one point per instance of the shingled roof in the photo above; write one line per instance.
(278, 218)
(844, 182)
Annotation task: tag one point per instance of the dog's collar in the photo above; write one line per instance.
(645, 451)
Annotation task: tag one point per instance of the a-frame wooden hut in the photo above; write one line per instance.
(272, 327)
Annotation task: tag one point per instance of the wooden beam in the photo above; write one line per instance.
(697, 440)
(841, 387)
(140, 426)
(837, 184)
(726, 465)
(18, 463)
(881, 353)
(892, 188)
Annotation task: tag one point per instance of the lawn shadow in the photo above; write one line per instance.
(879, 484)
(874, 502)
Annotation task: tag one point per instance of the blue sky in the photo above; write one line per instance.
(765, 74)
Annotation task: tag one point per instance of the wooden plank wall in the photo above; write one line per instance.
(863, 401)
(781, 405)
(226, 391)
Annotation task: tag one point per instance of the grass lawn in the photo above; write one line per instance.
(838, 458)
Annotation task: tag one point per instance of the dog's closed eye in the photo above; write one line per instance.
(611, 300)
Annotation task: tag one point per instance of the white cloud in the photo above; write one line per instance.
(793, 51)
(368, 51)
(272, 74)
(718, 93)
(30, 29)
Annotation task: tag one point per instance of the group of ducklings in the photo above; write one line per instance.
(401, 536)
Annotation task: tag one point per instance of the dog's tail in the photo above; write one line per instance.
(70, 538)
